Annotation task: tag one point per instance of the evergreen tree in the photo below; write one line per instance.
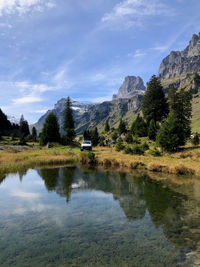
(23, 127)
(86, 135)
(128, 138)
(154, 104)
(122, 127)
(34, 134)
(94, 137)
(152, 130)
(170, 134)
(69, 122)
(180, 105)
(50, 131)
(139, 127)
(114, 136)
(107, 127)
(119, 145)
(5, 124)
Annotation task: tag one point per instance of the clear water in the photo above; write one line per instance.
(76, 217)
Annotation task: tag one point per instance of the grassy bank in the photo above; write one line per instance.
(181, 163)
(13, 160)
(186, 162)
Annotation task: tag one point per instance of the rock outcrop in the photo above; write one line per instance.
(178, 63)
(131, 86)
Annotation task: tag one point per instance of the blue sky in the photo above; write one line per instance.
(51, 49)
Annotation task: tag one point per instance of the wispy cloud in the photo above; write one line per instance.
(24, 6)
(26, 99)
(131, 12)
(137, 54)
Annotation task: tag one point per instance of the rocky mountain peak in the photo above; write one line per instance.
(182, 62)
(131, 86)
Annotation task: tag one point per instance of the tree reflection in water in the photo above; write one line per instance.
(174, 208)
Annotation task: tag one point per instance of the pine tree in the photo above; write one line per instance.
(86, 135)
(170, 134)
(34, 134)
(50, 131)
(154, 104)
(107, 127)
(69, 122)
(23, 127)
(122, 127)
(139, 127)
(152, 130)
(119, 145)
(5, 124)
(94, 137)
(180, 105)
(128, 138)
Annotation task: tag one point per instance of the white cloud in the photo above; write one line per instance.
(131, 12)
(137, 54)
(23, 194)
(40, 111)
(26, 99)
(24, 6)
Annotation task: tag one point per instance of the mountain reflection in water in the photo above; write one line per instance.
(173, 208)
(176, 209)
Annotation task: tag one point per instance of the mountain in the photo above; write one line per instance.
(78, 110)
(131, 86)
(178, 63)
(181, 69)
(125, 104)
(12, 119)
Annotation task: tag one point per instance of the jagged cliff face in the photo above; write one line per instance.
(131, 86)
(178, 63)
(78, 110)
(126, 104)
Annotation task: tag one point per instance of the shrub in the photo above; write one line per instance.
(145, 146)
(87, 157)
(155, 152)
(137, 150)
(128, 138)
(182, 170)
(119, 145)
(128, 150)
(137, 165)
(156, 167)
(136, 140)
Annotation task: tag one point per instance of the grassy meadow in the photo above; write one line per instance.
(18, 158)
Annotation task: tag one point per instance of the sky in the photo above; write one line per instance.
(51, 49)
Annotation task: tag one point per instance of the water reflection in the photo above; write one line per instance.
(147, 205)
(173, 208)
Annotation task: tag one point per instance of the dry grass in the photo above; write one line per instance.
(11, 162)
(182, 163)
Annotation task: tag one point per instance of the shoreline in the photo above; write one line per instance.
(184, 163)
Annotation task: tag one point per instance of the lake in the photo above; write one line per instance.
(92, 217)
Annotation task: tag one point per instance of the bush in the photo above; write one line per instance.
(182, 170)
(137, 150)
(87, 157)
(145, 146)
(156, 167)
(137, 165)
(136, 140)
(128, 138)
(155, 152)
(119, 145)
(128, 150)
